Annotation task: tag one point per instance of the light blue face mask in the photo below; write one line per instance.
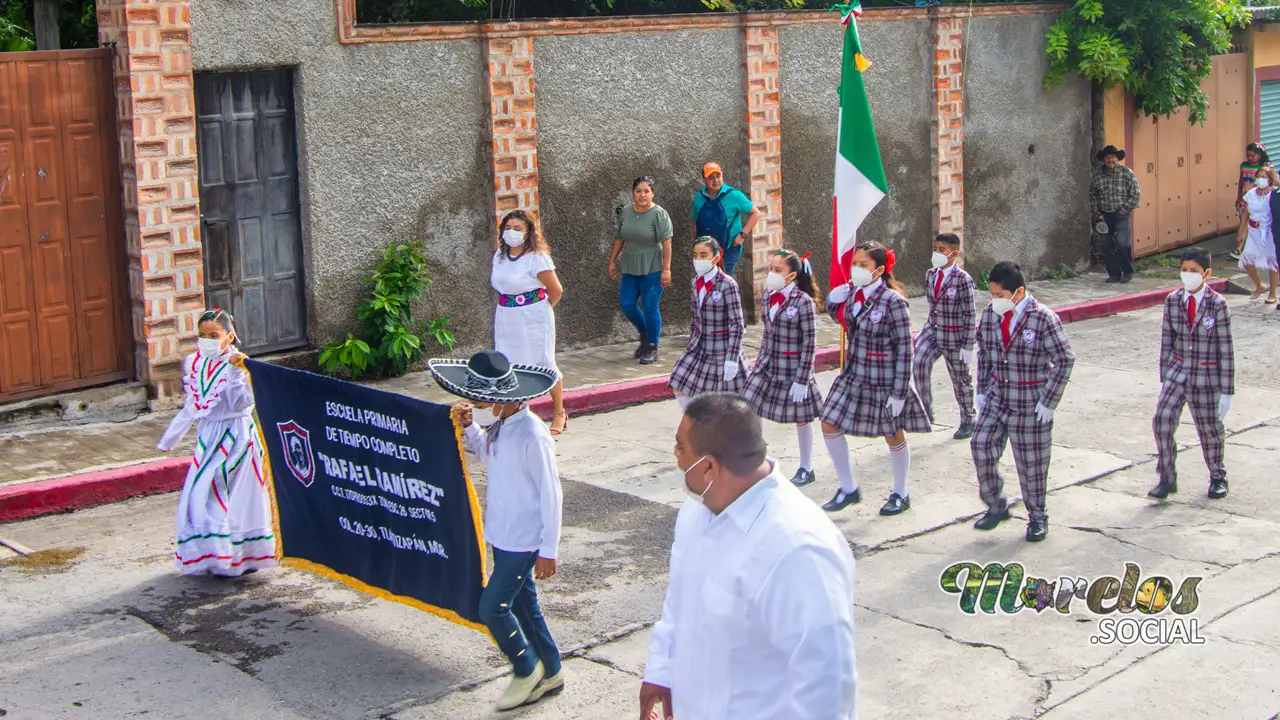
(688, 490)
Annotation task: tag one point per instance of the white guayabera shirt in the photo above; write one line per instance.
(758, 618)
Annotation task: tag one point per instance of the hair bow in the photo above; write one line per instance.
(890, 259)
(804, 261)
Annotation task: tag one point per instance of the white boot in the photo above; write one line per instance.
(549, 686)
(518, 692)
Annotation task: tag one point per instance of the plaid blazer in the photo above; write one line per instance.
(879, 340)
(718, 323)
(790, 340)
(1202, 356)
(952, 316)
(1037, 364)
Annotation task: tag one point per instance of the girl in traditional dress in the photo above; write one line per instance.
(781, 387)
(224, 513)
(1259, 255)
(713, 361)
(872, 396)
(524, 325)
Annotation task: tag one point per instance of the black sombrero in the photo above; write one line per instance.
(489, 377)
(1110, 150)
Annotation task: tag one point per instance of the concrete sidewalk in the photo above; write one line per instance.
(65, 451)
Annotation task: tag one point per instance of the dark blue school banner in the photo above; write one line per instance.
(370, 489)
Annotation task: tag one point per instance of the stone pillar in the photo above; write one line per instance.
(513, 124)
(948, 126)
(155, 105)
(764, 146)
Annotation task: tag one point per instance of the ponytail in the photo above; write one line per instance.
(885, 258)
(803, 270)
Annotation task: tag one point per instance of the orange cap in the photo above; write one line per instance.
(711, 168)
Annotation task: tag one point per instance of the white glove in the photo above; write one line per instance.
(966, 356)
(1043, 414)
(895, 406)
(982, 402)
(799, 392)
(838, 295)
(730, 370)
(1224, 404)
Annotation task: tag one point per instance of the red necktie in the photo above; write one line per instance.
(859, 298)
(1191, 311)
(703, 284)
(1004, 327)
(937, 287)
(776, 299)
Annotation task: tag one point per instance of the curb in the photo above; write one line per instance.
(45, 497)
(60, 495)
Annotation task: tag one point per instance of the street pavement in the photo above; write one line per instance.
(100, 626)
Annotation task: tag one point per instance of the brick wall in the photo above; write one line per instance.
(948, 126)
(156, 113)
(764, 145)
(513, 125)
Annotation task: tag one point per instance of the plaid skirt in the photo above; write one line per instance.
(695, 374)
(860, 410)
(772, 400)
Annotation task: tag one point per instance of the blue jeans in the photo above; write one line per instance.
(509, 607)
(732, 255)
(638, 298)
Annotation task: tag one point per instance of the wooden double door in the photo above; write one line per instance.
(64, 311)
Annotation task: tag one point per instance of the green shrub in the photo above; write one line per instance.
(392, 340)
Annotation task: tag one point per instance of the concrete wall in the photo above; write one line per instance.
(1026, 151)
(612, 108)
(391, 144)
(900, 88)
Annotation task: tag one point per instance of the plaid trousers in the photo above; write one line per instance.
(1032, 441)
(1204, 412)
(926, 354)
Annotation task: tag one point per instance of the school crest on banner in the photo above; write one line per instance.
(370, 488)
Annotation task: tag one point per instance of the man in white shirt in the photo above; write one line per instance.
(758, 618)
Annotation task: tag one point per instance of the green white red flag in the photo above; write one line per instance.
(859, 180)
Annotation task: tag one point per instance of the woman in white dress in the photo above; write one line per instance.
(224, 512)
(524, 324)
(1255, 226)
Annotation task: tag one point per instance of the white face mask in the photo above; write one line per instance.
(513, 238)
(1192, 281)
(1002, 305)
(483, 417)
(1262, 183)
(685, 481)
(860, 277)
(774, 282)
(702, 267)
(940, 260)
(209, 347)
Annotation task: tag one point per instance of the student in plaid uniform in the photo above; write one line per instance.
(781, 386)
(713, 361)
(1024, 362)
(948, 333)
(1197, 368)
(872, 396)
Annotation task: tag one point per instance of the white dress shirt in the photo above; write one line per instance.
(787, 292)
(866, 295)
(758, 619)
(709, 277)
(522, 506)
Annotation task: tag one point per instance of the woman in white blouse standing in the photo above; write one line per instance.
(524, 324)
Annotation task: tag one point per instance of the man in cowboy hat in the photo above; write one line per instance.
(522, 509)
(1113, 196)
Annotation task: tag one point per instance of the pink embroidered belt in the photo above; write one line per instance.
(523, 299)
(1254, 224)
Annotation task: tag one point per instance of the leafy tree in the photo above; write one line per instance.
(1159, 50)
(77, 25)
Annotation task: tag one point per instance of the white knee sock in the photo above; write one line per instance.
(682, 400)
(900, 460)
(839, 450)
(804, 433)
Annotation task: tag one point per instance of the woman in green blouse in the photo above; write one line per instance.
(642, 256)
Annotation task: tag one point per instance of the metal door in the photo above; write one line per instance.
(1269, 113)
(1142, 159)
(1230, 117)
(1203, 160)
(249, 205)
(63, 311)
(1173, 212)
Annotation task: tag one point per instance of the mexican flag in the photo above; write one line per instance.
(860, 182)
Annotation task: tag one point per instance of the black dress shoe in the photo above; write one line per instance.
(1113, 279)
(991, 518)
(1126, 278)
(1037, 530)
(642, 348)
(650, 355)
(1163, 490)
(843, 500)
(803, 477)
(1218, 489)
(965, 432)
(896, 505)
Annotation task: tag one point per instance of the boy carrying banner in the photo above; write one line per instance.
(522, 509)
